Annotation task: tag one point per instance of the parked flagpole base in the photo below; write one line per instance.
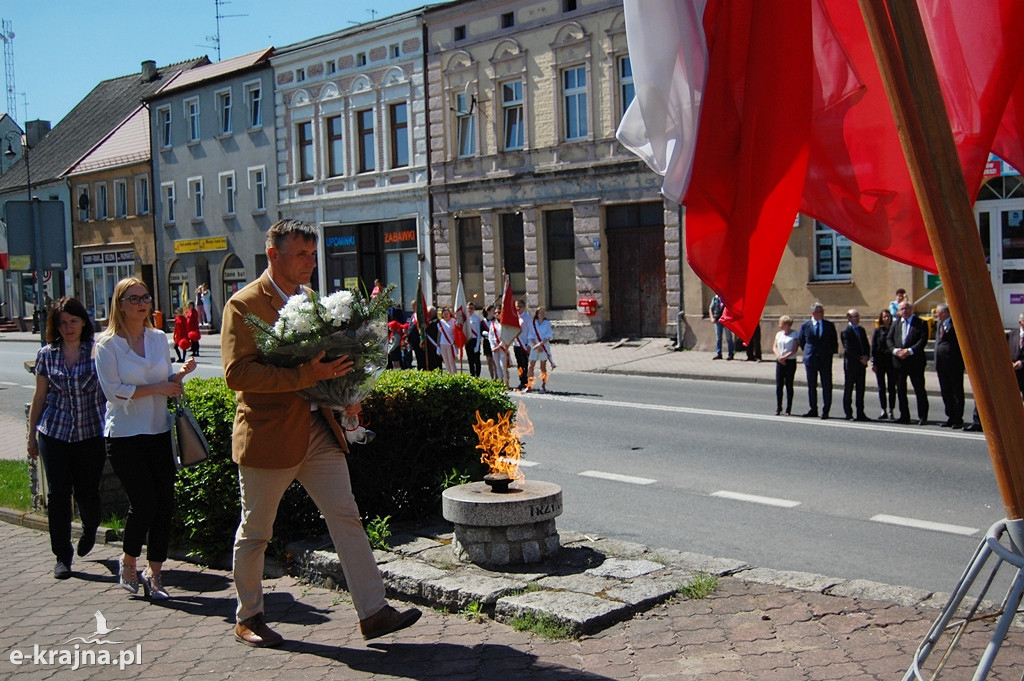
(1000, 550)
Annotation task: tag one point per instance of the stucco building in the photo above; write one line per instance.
(212, 137)
(352, 151)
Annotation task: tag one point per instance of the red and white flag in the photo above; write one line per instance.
(509, 317)
(461, 318)
(754, 111)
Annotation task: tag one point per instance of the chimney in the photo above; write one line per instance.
(35, 131)
(148, 71)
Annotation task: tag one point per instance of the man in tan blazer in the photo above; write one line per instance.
(280, 437)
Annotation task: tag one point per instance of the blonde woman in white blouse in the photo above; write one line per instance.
(785, 347)
(134, 367)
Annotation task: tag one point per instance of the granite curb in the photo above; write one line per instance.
(593, 583)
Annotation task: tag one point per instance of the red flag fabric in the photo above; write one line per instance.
(791, 115)
(509, 318)
(461, 318)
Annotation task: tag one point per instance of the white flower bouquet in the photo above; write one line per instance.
(342, 323)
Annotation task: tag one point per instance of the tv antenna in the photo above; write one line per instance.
(215, 39)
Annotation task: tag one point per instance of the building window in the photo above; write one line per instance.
(460, 33)
(224, 111)
(101, 201)
(832, 254)
(335, 147)
(100, 270)
(561, 259)
(332, 66)
(195, 186)
(367, 157)
(300, 75)
(227, 187)
(305, 155)
(83, 203)
(163, 117)
(626, 90)
(258, 182)
(513, 250)
(568, 5)
(168, 192)
(142, 195)
(120, 198)
(361, 59)
(508, 20)
(512, 114)
(399, 135)
(396, 51)
(471, 257)
(574, 101)
(254, 99)
(465, 125)
(192, 116)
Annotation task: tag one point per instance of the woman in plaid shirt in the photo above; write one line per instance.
(66, 428)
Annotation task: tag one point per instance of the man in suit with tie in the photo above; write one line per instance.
(949, 366)
(1017, 352)
(907, 338)
(856, 353)
(819, 343)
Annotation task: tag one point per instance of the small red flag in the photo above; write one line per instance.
(509, 318)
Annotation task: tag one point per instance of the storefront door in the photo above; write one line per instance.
(1001, 225)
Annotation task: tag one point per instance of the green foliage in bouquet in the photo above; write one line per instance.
(342, 323)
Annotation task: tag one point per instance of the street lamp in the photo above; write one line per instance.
(38, 325)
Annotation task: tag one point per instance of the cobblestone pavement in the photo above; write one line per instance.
(744, 630)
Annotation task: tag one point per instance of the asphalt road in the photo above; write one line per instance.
(707, 467)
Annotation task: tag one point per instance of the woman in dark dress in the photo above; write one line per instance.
(881, 364)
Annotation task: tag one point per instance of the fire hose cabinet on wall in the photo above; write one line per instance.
(587, 306)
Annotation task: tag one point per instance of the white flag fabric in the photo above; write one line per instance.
(669, 57)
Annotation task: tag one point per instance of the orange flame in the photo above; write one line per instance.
(499, 441)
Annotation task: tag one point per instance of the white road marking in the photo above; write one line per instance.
(791, 420)
(755, 499)
(924, 524)
(8, 383)
(618, 478)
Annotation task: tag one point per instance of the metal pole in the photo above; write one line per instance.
(37, 238)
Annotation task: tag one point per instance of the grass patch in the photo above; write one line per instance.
(701, 585)
(542, 625)
(14, 491)
(473, 611)
(114, 522)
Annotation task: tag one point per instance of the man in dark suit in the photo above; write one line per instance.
(819, 343)
(949, 366)
(1016, 342)
(907, 338)
(856, 353)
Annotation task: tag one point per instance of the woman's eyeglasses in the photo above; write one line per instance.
(135, 300)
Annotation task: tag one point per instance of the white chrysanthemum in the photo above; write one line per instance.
(338, 307)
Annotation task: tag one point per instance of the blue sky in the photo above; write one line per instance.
(63, 48)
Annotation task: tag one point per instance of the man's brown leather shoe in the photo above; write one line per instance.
(387, 620)
(255, 632)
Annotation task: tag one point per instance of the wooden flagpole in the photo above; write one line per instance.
(905, 62)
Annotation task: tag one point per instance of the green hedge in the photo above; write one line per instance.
(424, 438)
